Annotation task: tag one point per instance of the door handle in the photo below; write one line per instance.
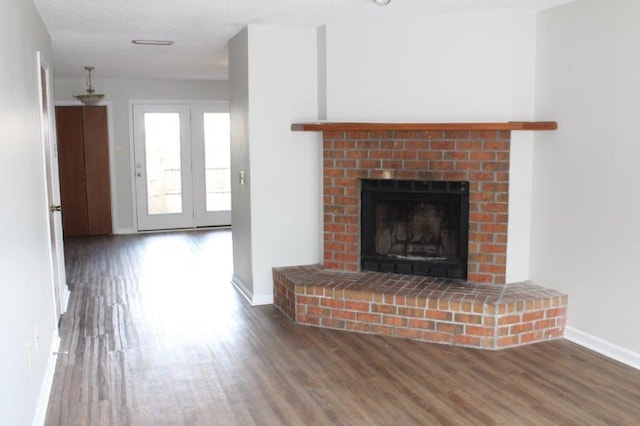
(55, 208)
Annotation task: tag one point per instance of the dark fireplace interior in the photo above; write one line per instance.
(415, 227)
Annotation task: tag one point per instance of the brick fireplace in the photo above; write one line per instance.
(481, 311)
(479, 157)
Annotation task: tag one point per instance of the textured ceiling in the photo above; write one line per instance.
(99, 32)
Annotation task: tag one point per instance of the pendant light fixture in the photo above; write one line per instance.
(91, 98)
(382, 2)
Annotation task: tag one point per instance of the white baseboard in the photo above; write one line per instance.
(603, 347)
(254, 300)
(47, 381)
(66, 294)
(263, 299)
(239, 285)
(125, 231)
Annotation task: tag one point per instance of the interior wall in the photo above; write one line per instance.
(451, 67)
(284, 169)
(284, 164)
(240, 161)
(25, 274)
(119, 92)
(321, 46)
(586, 235)
(448, 67)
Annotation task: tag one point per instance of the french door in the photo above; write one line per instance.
(212, 161)
(181, 162)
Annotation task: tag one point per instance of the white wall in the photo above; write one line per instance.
(321, 46)
(586, 232)
(240, 162)
(25, 275)
(284, 167)
(119, 92)
(450, 67)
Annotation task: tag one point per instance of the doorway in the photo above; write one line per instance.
(182, 165)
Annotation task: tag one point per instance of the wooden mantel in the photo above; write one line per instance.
(341, 126)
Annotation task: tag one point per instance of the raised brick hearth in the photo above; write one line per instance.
(482, 312)
(486, 316)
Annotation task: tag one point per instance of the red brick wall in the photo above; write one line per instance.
(480, 157)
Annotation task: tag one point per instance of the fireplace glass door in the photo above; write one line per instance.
(415, 227)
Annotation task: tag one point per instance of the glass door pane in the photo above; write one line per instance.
(217, 161)
(163, 169)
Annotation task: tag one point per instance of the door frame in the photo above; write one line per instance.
(202, 217)
(222, 104)
(176, 220)
(49, 144)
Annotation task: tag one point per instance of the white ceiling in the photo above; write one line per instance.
(99, 32)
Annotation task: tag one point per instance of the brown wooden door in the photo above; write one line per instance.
(83, 155)
(96, 161)
(73, 190)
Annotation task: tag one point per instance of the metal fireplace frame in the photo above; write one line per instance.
(450, 192)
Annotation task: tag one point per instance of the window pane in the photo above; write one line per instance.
(163, 167)
(217, 161)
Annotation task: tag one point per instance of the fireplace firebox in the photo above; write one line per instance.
(415, 227)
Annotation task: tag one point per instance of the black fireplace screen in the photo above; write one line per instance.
(415, 227)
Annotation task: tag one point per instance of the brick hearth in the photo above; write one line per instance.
(482, 312)
(486, 316)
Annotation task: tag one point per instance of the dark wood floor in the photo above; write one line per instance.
(157, 335)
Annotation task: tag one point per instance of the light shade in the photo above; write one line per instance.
(91, 98)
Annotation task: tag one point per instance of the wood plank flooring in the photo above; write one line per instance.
(157, 335)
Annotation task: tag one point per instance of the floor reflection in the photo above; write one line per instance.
(185, 285)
